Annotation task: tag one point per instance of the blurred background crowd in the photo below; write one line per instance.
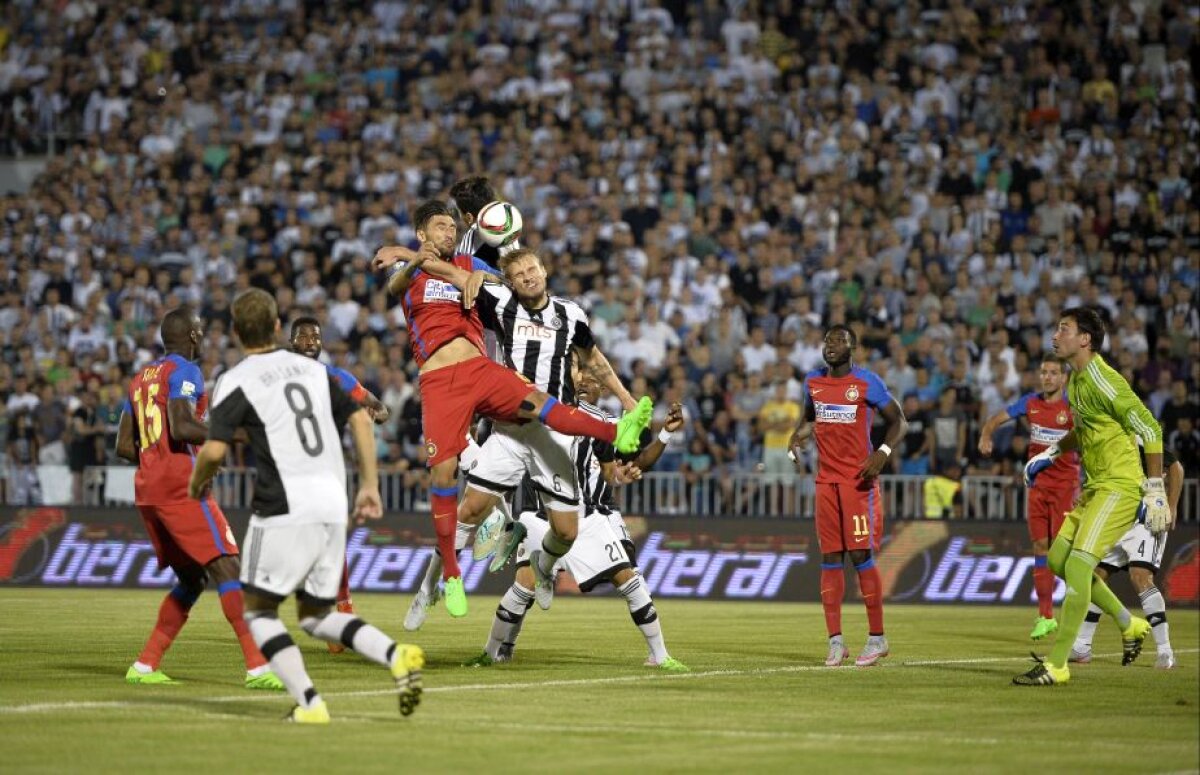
(716, 181)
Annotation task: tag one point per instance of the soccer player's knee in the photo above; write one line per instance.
(1141, 578)
(250, 614)
(311, 622)
(622, 576)
(859, 556)
(524, 577)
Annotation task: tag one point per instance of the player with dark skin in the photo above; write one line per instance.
(306, 340)
(182, 334)
(839, 356)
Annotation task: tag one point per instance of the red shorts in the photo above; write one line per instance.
(188, 533)
(849, 516)
(1046, 507)
(452, 395)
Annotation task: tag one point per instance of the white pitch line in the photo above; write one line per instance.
(45, 707)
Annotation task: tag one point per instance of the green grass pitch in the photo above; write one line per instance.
(578, 700)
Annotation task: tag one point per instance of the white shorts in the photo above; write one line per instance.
(617, 524)
(594, 557)
(306, 559)
(1138, 548)
(514, 450)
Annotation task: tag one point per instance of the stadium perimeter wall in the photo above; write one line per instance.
(922, 561)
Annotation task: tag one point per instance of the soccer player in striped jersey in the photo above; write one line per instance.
(1047, 503)
(541, 337)
(1141, 553)
(159, 428)
(294, 412)
(439, 289)
(603, 552)
(306, 340)
(839, 404)
(1108, 415)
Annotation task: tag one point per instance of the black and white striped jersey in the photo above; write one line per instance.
(537, 343)
(293, 411)
(471, 244)
(595, 492)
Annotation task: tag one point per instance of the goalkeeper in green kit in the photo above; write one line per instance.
(1107, 417)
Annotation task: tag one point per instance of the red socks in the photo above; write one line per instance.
(232, 605)
(871, 587)
(343, 598)
(172, 615)
(445, 523)
(571, 421)
(833, 589)
(1043, 585)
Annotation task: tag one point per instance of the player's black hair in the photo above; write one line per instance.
(306, 320)
(472, 193)
(1089, 322)
(427, 210)
(849, 332)
(176, 328)
(254, 318)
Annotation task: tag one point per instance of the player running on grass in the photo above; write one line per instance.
(305, 339)
(839, 404)
(1107, 416)
(1047, 502)
(542, 337)
(1141, 553)
(602, 552)
(159, 426)
(293, 412)
(457, 381)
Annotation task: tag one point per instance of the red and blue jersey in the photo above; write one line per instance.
(348, 383)
(1048, 421)
(164, 464)
(434, 311)
(843, 409)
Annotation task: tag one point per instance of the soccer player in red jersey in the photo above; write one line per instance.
(840, 402)
(457, 380)
(158, 428)
(306, 340)
(1054, 492)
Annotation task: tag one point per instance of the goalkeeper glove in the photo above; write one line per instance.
(1154, 511)
(1040, 462)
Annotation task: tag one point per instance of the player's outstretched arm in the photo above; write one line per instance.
(591, 359)
(896, 428)
(655, 449)
(208, 462)
(989, 428)
(126, 446)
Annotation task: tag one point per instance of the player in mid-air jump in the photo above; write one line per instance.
(158, 429)
(1049, 500)
(839, 404)
(457, 380)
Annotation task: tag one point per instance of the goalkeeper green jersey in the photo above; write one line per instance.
(1107, 415)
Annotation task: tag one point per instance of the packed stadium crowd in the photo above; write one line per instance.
(716, 182)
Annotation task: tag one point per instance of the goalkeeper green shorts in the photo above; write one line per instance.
(1098, 521)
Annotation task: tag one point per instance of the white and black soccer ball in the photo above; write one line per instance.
(499, 223)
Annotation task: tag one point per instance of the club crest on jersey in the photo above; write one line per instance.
(852, 393)
(555, 322)
(1061, 418)
(437, 290)
(431, 449)
(842, 414)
